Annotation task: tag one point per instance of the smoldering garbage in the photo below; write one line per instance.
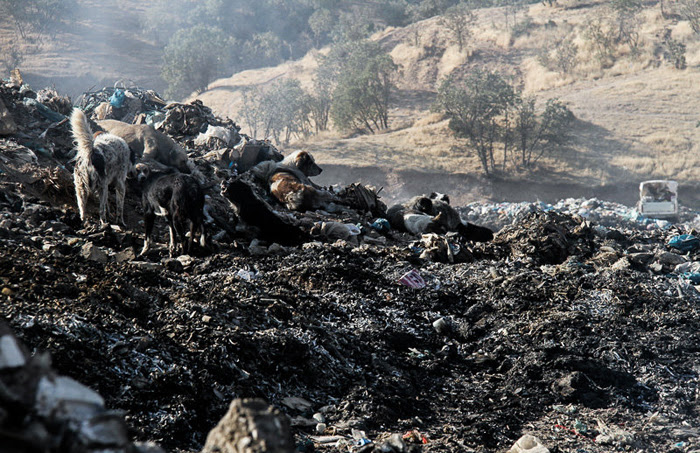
(575, 329)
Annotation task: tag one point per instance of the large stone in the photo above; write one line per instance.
(528, 444)
(250, 426)
(11, 355)
(92, 252)
(64, 397)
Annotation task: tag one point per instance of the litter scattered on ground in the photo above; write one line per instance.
(571, 331)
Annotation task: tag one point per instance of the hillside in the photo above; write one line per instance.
(103, 44)
(635, 120)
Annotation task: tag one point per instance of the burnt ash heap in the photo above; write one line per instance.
(556, 328)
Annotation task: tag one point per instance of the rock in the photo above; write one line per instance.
(669, 259)
(250, 426)
(66, 397)
(576, 386)
(145, 265)
(147, 447)
(395, 444)
(91, 252)
(186, 260)
(528, 444)
(173, 265)
(11, 355)
(299, 404)
(125, 255)
(320, 428)
(56, 412)
(256, 248)
(105, 430)
(612, 435)
(442, 326)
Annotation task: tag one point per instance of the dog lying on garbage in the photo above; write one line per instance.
(290, 184)
(176, 196)
(250, 153)
(433, 214)
(101, 160)
(149, 144)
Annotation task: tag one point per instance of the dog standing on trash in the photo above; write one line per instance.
(101, 160)
(149, 144)
(177, 197)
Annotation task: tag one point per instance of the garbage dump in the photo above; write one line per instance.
(574, 329)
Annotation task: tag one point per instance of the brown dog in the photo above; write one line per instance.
(290, 184)
(149, 144)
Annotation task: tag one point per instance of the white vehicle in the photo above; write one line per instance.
(658, 199)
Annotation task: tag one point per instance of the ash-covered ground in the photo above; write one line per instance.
(577, 324)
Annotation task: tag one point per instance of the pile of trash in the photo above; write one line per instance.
(331, 331)
(603, 213)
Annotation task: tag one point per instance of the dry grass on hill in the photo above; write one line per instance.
(636, 119)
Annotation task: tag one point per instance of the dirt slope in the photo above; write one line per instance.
(636, 120)
(101, 45)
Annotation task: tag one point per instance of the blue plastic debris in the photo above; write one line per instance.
(363, 441)
(381, 225)
(684, 242)
(117, 99)
(44, 110)
(694, 277)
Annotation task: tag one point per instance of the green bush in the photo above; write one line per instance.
(194, 57)
(475, 108)
(487, 110)
(362, 76)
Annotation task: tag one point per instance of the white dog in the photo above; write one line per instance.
(102, 160)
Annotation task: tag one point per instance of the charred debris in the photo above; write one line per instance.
(576, 329)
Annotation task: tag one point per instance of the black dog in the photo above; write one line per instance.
(433, 214)
(176, 196)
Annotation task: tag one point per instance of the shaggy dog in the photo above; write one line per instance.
(433, 214)
(290, 184)
(177, 197)
(149, 144)
(101, 160)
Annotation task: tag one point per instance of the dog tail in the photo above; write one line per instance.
(82, 134)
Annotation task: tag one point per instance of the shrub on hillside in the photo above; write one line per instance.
(194, 57)
(475, 108)
(280, 111)
(674, 51)
(38, 19)
(362, 77)
(561, 55)
(491, 114)
(459, 19)
(690, 10)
